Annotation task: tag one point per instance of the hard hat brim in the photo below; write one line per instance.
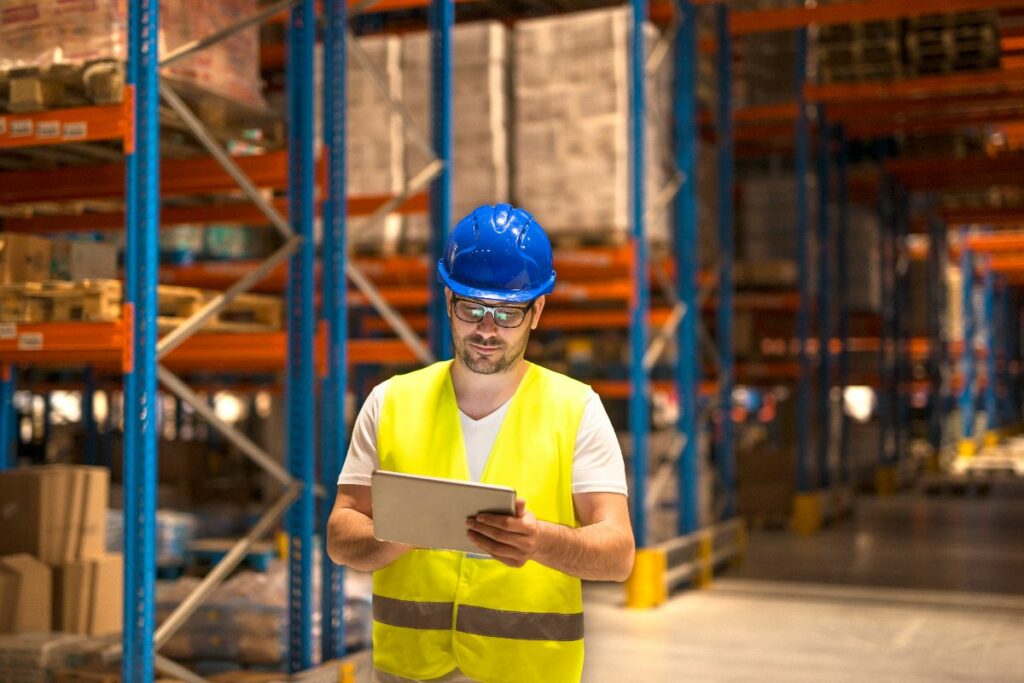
(511, 296)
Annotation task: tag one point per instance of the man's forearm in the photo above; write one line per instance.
(350, 542)
(597, 552)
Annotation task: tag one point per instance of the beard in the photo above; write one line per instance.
(492, 364)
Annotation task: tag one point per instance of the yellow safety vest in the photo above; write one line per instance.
(436, 610)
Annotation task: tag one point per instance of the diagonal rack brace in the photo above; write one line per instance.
(226, 565)
(244, 444)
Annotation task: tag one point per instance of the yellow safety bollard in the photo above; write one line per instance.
(967, 448)
(705, 554)
(807, 513)
(646, 587)
(741, 545)
(885, 481)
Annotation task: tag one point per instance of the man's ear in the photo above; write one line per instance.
(538, 308)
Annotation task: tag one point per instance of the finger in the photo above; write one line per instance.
(520, 507)
(494, 548)
(510, 538)
(507, 522)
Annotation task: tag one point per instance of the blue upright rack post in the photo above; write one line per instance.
(936, 345)
(807, 505)
(727, 254)
(968, 397)
(638, 406)
(842, 300)
(825, 256)
(8, 426)
(335, 313)
(442, 16)
(885, 473)
(142, 222)
(685, 243)
(901, 226)
(991, 353)
(1005, 349)
(299, 387)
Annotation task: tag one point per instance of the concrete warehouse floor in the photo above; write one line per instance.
(911, 589)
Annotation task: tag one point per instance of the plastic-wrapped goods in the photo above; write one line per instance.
(245, 619)
(48, 33)
(572, 123)
(480, 141)
(31, 657)
(174, 531)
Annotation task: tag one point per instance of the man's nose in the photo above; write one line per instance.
(487, 323)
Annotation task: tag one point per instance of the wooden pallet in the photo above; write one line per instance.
(32, 89)
(57, 301)
(100, 301)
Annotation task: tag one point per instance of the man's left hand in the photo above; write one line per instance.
(511, 539)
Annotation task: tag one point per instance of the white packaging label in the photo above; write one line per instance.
(8, 330)
(21, 128)
(30, 341)
(76, 130)
(48, 129)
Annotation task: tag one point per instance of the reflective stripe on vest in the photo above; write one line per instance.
(479, 621)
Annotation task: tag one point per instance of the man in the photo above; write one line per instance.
(514, 612)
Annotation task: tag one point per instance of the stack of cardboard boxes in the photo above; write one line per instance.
(480, 137)
(27, 258)
(374, 143)
(55, 573)
(572, 125)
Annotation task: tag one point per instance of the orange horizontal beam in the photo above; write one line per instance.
(1007, 264)
(622, 389)
(1004, 216)
(201, 175)
(934, 122)
(64, 344)
(791, 18)
(766, 113)
(60, 126)
(997, 242)
(102, 345)
(232, 212)
(999, 80)
(932, 173)
(934, 106)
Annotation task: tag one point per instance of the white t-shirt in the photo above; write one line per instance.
(597, 465)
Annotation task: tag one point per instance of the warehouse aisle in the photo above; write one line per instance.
(906, 541)
(910, 589)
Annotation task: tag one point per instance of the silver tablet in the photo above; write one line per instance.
(429, 512)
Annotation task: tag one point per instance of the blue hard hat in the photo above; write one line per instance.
(498, 252)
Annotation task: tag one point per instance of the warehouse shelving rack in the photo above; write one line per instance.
(932, 104)
(131, 345)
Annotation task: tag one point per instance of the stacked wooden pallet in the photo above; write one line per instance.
(101, 301)
(944, 43)
(860, 52)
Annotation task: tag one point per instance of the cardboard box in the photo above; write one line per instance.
(25, 594)
(24, 258)
(83, 261)
(56, 512)
(88, 596)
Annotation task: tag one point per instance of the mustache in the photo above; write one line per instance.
(480, 341)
